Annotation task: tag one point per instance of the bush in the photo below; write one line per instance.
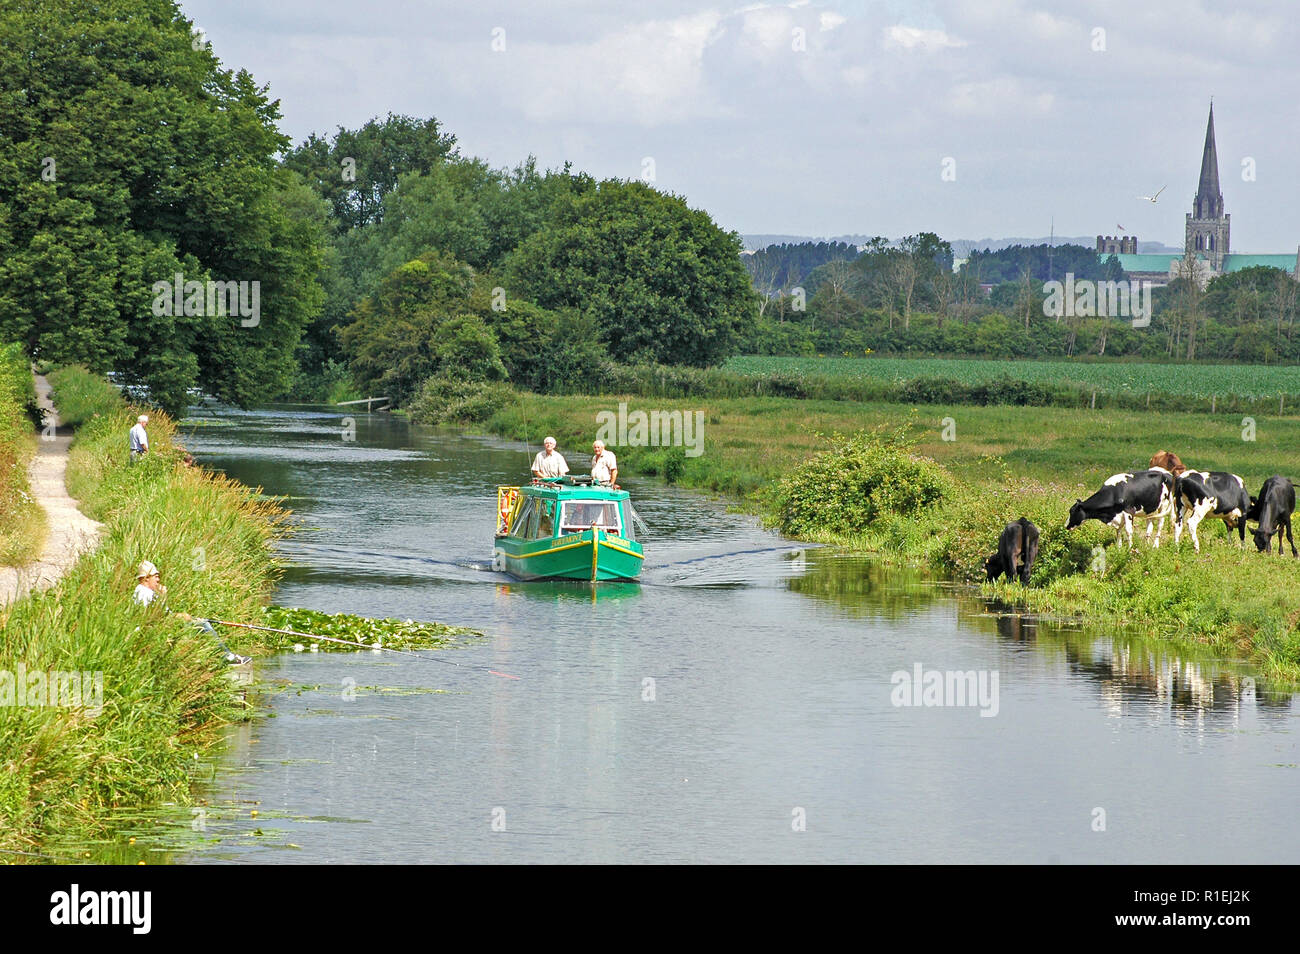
(862, 480)
(444, 400)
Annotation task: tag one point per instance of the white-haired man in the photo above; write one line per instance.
(139, 438)
(549, 462)
(604, 466)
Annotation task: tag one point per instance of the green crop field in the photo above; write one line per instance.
(1193, 380)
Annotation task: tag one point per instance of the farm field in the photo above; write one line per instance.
(1193, 380)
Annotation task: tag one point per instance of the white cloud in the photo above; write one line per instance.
(914, 38)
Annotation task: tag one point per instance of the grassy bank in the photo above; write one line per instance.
(1000, 463)
(22, 521)
(164, 687)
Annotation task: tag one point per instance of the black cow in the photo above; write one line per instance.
(1017, 545)
(1201, 493)
(1273, 508)
(1146, 492)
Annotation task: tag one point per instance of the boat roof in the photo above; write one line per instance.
(565, 491)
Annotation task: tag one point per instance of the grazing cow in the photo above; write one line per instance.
(1201, 493)
(1273, 508)
(1166, 460)
(1146, 492)
(1017, 545)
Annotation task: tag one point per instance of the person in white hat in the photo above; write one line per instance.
(549, 462)
(149, 586)
(139, 439)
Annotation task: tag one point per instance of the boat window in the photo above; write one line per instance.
(530, 531)
(628, 531)
(546, 525)
(520, 524)
(581, 514)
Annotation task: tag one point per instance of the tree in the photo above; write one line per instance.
(131, 156)
(358, 168)
(664, 283)
(392, 342)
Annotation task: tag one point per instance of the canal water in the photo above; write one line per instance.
(738, 704)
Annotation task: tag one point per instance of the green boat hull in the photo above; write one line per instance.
(569, 557)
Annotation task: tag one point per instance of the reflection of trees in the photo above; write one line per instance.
(1131, 669)
(865, 587)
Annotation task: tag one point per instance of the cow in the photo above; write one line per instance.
(1272, 509)
(1201, 493)
(1017, 545)
(1146, 492)
(1166, 460)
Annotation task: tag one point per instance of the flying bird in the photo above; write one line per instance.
(1120, 227)
(1152, 198)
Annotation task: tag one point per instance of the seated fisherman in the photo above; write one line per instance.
(150, 587)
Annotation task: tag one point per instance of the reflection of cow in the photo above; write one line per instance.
(1014, 626)
(1017, 551)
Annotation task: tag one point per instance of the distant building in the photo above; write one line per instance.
(1117, 245)
(1207, 235)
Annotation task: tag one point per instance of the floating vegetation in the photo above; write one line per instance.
(371, 633)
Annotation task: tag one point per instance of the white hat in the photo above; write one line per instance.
(143, 418)
(146, 569)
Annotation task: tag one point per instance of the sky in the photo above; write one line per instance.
(982, 118)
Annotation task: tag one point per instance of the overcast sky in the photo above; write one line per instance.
(1065, 110)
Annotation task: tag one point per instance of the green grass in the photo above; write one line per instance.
(165, 691)
(1004, 462)
(81, 396)
(1116, 378)
(22, 519)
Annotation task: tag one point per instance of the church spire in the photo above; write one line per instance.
(1209, 200)
(1208, 229)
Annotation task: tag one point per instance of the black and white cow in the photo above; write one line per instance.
(1201, 493)
(1273, 508)
(1149, 493)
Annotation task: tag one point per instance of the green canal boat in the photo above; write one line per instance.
(566, 528)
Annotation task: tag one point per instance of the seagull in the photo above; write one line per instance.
(1152, 198)
(1120, 227)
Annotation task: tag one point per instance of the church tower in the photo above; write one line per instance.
(1207, 226)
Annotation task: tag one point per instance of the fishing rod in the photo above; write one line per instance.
(348, 642)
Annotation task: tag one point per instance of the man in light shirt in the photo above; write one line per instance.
(139, 439)
(549, 462)
(604, 466)
(150, 587)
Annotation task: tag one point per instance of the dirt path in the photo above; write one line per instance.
(71, 531)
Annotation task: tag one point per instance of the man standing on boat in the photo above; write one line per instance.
(549, 462)
(604, 466)
(139, 439)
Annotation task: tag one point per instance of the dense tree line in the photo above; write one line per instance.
(156, 223)
(1247, 316)
(131, 157)
(781, 268)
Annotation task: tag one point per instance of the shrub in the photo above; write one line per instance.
(861, 480)
(444, 400)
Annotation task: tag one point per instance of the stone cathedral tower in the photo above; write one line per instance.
(1207, 226)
